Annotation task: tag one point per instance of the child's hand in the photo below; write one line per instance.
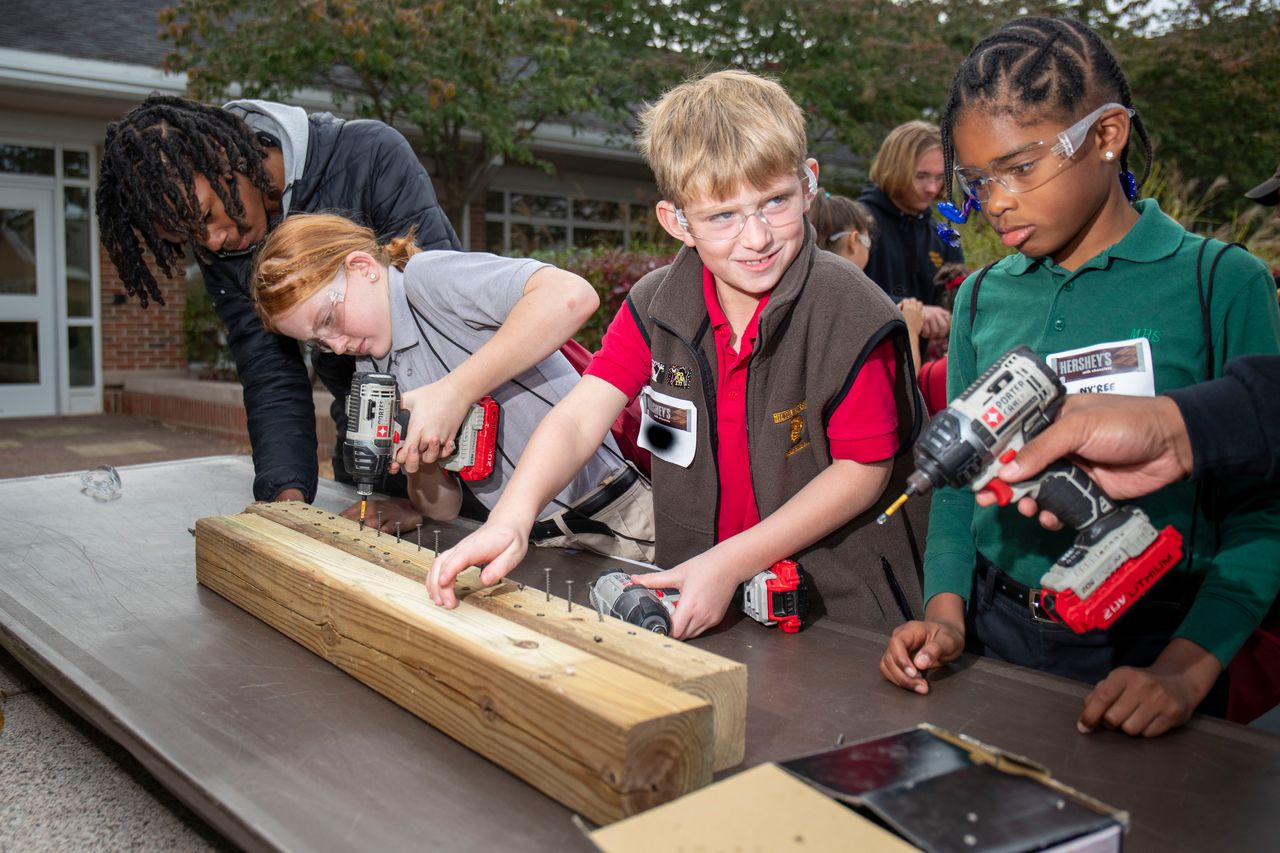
(497, 546)
(705, 593)
(913, 313)
(917, 647)
(1150, 701)
(393, 510)
(435, 413)
(936, 322)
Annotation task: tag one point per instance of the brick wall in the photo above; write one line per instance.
(134, 338)
(220, 417)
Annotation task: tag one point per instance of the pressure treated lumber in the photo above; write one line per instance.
(602, 740)
(720, 681)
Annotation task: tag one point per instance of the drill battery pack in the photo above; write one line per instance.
(477, 442)
(1104, 605)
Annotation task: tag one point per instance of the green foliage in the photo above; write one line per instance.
(1257, 228)
(474, 80)
(611, 272)
(206, 341)
(1208, 88)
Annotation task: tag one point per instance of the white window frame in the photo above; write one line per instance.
(569, 222)
(85, 399)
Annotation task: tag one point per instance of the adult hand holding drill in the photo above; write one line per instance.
(1132, 446)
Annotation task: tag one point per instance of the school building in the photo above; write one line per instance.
(70, 342)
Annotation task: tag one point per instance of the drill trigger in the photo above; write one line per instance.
(1001, 490)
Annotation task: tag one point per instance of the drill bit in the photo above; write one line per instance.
(893, 507)
(548, 571)
(437, 551)
(362, 507)
(379, 523)
(419, 537)
(569, 584)
(397, 533)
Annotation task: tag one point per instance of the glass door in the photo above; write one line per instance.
(28, 330)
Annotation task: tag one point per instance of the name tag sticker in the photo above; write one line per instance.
(668, 427)
(1117, 367)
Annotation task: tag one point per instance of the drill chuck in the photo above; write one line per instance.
(614, 593)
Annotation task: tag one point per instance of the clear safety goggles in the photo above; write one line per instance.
(777, 212)
(863, 238)
(332, 320)
(1033, 165)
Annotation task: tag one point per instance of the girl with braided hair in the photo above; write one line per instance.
(1118, 298)
(178, 172)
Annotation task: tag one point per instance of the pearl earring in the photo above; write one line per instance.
(1110, 155)
(373, 276)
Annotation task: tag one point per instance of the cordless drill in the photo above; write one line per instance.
(1117, 555)
(775, 596)
(376, 423)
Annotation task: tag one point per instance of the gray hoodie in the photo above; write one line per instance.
(287, 124)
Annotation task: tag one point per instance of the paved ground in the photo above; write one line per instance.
(30, 446)
(63, 785)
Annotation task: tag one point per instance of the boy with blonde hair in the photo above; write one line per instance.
(775, 389)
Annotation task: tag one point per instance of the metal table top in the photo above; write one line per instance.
(278, 749)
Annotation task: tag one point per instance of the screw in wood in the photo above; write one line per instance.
(548, 571)
(379, 524)
(569, 584)
(437, 553)
(419, 537)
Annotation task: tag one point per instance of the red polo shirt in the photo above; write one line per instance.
(863, 427)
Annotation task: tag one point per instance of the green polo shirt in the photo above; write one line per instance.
(1143, 286)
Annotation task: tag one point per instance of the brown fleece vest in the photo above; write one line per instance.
(822, 320)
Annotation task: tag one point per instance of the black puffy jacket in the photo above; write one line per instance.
(364, 170)
(907, 251)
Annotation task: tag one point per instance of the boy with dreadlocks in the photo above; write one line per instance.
(177, 172)
(1113, 281)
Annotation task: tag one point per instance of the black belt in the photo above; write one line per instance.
(1031, 598)
(578, 518)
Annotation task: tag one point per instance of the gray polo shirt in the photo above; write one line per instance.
(463, 298)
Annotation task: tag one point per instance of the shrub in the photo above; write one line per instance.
(206, 338)
(611, 272)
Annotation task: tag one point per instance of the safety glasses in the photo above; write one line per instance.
(1033, 165)
(778, 211)
(332, 320)
(863, 238)
(1030, 167)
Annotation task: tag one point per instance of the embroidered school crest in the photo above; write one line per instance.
(793, 417)
(657, 372)
(678, 377)
(935, 258)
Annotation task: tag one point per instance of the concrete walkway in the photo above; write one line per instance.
(63, 785)
(31, 446)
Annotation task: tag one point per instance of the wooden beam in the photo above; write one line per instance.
(599, 738)
(720, 681)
